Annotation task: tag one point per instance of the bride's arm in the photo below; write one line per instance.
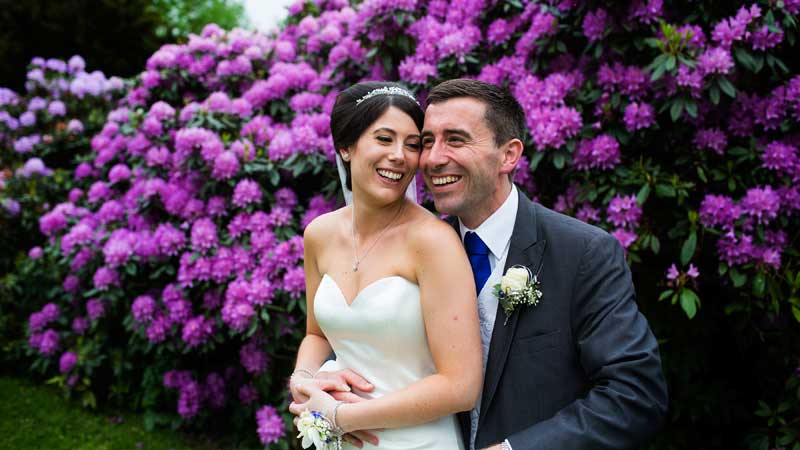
(314, 348)
(449, 308)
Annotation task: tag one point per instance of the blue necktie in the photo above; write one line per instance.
(478, 254)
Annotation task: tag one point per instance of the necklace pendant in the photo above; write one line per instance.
(355, 267)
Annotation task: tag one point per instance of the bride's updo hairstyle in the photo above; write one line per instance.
(360, 105)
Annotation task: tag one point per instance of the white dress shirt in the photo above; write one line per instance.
(496, 233)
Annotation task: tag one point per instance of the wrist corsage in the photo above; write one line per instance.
(316, 429)
(517, 287)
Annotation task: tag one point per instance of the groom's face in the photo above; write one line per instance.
(459, 160)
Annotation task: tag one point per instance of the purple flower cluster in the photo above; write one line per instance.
(711, 138)
(782, 158)
(270, 425)
(759, 206)
(673, 273)
(595, 24)
(624, 211)
(67, 362)
(601, 152)
(197, 330)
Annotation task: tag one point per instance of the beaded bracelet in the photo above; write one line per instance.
(310, 375)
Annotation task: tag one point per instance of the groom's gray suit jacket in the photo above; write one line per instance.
(581, 370)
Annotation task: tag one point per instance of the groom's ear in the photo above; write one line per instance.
(512, 151)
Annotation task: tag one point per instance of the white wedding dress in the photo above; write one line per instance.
(381, 336)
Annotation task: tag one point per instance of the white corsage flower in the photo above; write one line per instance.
(517, 287)
(315, 429)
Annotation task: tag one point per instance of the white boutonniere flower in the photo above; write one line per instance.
(517, 287)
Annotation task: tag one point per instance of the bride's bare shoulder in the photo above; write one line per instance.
(324, 226)
(429, 230)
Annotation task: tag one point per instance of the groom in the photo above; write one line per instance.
(580, 370)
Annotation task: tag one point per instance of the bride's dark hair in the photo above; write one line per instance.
(349, 119)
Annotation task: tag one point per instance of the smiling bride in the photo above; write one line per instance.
(389, 291)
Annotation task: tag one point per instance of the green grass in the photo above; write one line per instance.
(37, 417)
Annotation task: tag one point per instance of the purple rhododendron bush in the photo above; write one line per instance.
(673, 125)
(44, 133)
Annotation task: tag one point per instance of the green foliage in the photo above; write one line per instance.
(181, 17)
(115, 36)
(35, 417)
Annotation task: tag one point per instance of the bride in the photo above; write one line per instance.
(389, 290)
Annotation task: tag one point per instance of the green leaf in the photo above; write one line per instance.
(665, 191)
(656, 62)
(535, 160)
(702, 174)
(130, 269)
(670, 64)
(689, 302)
(745, 58)
(796, 313)
(759, 283)
(727, 87)
(722, 269)
(676, 109)
(738, 278)
(738, 151)
(687, 250)
(655, 244)
(759, 59)
(713, 93)
(691, 108)
(559, 160)
(644, 192)
(665, 294)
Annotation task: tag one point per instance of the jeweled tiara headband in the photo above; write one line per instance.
(387, 90)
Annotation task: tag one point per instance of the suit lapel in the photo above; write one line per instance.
(525, 250)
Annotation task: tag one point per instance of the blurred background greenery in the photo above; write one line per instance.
(115, 36)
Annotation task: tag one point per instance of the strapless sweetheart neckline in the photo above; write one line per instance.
(365, 288)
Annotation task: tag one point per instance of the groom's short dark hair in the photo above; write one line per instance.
(504, 115)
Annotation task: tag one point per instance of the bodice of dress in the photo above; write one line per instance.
(381, 336)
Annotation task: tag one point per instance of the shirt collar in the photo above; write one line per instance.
(497, 229)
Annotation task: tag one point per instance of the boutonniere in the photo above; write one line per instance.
(517, 287)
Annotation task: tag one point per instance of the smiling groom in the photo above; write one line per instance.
(581, 368)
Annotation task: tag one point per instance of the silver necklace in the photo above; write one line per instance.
(356, 259)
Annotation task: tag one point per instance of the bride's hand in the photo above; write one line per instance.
(316, 400)
(319, 400)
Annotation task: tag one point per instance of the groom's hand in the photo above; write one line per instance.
(346, 377)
